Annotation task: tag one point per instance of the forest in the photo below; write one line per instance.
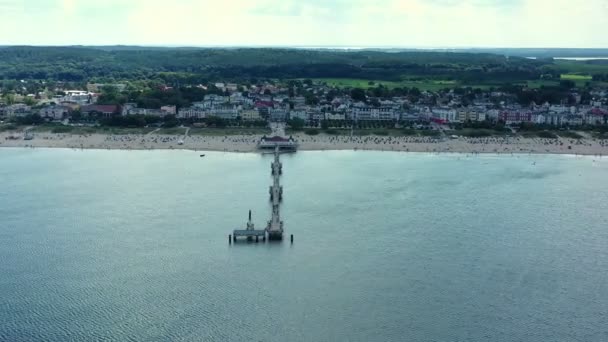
(78, 64)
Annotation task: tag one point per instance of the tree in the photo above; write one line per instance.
(324, 124)
(358, 94)
(9, 99)
(567, 84)
(29, 101)
(296, 124)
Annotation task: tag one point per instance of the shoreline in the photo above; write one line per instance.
(322, 142)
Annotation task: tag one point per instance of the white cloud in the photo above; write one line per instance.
(541, 23)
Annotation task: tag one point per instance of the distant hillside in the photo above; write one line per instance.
(131, 62)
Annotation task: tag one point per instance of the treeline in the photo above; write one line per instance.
(551, 94)
(78, 64)
(600, 77)
(156, 97)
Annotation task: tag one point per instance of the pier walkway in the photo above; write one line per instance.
(274, 228)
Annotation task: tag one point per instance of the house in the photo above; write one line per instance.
(335, 116)
(277, 114)
(299, 100)
(54, 112)
(18, 109)
(231, 87)
(81, 97)
(192, 113)
(105, 110)
(250, 115)
(225, 112)
(169, 110)
(513, 117)
(373, 113)
(443, 115)
(299, 114)
(132, 109)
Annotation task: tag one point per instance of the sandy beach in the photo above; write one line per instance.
(248, 143)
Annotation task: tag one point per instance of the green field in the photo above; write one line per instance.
(578, 67)
(576, 77)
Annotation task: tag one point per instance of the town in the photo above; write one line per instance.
(312, 107)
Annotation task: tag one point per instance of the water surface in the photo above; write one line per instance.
(126, 245)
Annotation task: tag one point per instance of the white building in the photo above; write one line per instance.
(81, 97)
(250, 115)
(445, 114)
(226, 112)
(374, 113)
(192, 113)
(335, 116)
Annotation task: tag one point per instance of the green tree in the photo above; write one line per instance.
(296, 124)
(29, 101)
(358, 94)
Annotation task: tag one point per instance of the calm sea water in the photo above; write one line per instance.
(118, 246)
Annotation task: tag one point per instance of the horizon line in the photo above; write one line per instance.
(320, 46)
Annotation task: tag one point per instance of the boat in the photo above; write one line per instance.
(202, 155)
(180, 142)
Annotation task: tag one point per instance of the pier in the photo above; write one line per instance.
(275, 225)
(274, 228)
(250, 232)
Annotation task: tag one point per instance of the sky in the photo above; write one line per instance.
(350, 23)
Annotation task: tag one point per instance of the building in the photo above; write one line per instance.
(515, 116)
(280, 142)
(335, 116)
(444, 115)
(250, 115)
(104, 110)
(225, 112)
(18, 109)
(192, 113)
(362, 113)
(169, 110)
(299, 114)
(132, 109)
(277, 114)
(79, 96)
(54, 112)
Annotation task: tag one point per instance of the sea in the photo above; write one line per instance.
(103, 245)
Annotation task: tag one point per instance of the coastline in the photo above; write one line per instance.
(322, 142)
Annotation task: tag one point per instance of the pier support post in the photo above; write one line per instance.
(229, 238)
(291, 238)
(256, 238)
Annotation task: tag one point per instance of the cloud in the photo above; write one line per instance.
(526, 23)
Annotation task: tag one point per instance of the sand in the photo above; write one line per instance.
(248, 143)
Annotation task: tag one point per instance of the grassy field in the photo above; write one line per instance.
(576, 77)
(578, 67)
